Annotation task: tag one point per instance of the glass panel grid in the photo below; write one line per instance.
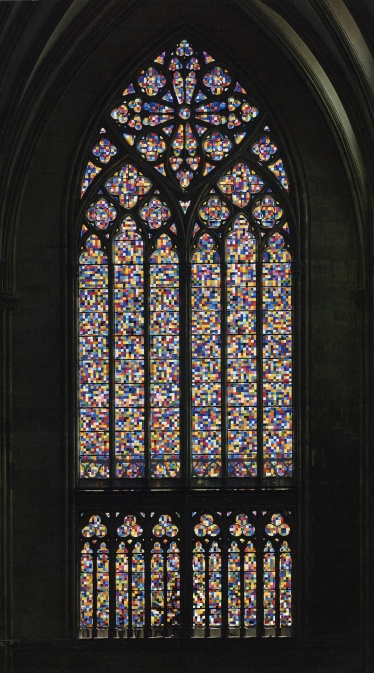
(277, 360)
(129, 374)
(164, 362)
(241, 351)
(148, 543)
(93, 362)
(206, 368)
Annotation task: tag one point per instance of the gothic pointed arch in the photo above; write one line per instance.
(185, 235)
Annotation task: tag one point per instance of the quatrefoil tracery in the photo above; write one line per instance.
(130, 527)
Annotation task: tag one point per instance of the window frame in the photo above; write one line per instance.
(270, 493)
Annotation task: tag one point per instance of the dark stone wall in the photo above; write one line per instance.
(329, 358)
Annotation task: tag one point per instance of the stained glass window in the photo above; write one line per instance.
(238, 561)
(186, 237)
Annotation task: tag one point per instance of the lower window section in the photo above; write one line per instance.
(204, 574)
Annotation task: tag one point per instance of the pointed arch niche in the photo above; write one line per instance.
(186, 232)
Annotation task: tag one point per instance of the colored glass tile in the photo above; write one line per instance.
(267, 211)
(277, 526)
(152, 345)
(217, 80)
(93, 372)
(155, 213)
(191, 81)
(214, 212)
(157, 585)
(151, 146)
(280, 173)
(102, 587)
(120, 114)
(239, 184)
(206, 526)
(122, 587)
(233, 585)
(198, 584)
(151, 81)
(138, 586)
(217, 146)
(104, 150)
(164, 373)
(277, 360)
(248, 112)
(250, 586)
(86, 588)
(89, 175)
(285, 586)
(173, 584)
(129, 351)
(127, 185)
(269, 586)
(241, 367)
(178, 86)
(206, 377)
(215, 586)
(264, 148)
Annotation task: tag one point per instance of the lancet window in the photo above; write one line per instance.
(186, 236)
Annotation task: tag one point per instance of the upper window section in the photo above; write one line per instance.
(185, 243)
(184, 115)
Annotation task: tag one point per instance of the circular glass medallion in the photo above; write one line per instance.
(184, 113)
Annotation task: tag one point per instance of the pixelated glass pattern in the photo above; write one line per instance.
(102, 586)
(173, 584)
(165, 526)
(234, 585)
(239, 184)
(267, 211)
(104, 150)
(198, 585)
(151, 147)
(241, 364)
(250, 586)
(151, 80)
(90, 174)
(217, 146)
(157, 585)
(206, 526)
(128, 185)
(94, 527)
(277, 526)
(101, 214)
(130, 574)
(130, 527)
(215, 586)
(207, 574)
(241, 611)
(138, 586)
(285, 585)
(214, 212)
(206, 360)
(93, 362)
(165, 573)
(264, 148)
(155, 213)
(280, 173)
(217, 80)
(129, 351)
(269, 586)
(164, 366)
(191, 100)
(122, 587)
(241, 571)
(86, 588)
(277, 359)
